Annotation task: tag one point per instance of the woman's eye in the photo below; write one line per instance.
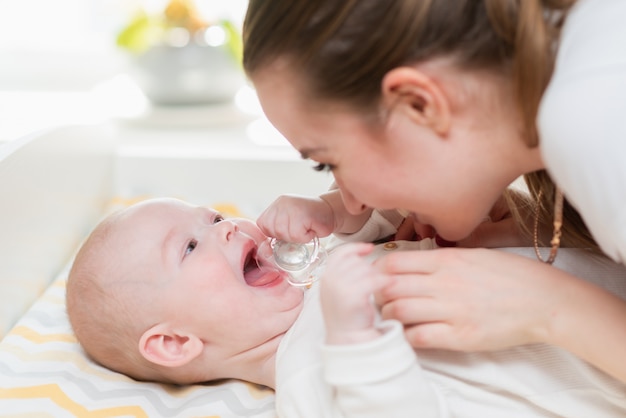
(191, 246)
(323, 167)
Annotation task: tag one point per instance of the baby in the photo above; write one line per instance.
(166, 291)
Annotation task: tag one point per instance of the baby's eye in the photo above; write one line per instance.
(323, 167)
(191, 246)
(218, 218)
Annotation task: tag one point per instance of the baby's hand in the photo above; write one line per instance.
(297, 219)
(346, 292)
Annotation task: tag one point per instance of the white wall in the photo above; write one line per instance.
(53, 54)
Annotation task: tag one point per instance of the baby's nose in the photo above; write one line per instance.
(227, 229)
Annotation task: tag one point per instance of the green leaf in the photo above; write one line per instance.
(235, 42)
(141, 33)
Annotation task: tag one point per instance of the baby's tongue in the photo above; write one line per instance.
(258, 277)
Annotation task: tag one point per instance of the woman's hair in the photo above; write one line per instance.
(343, 48)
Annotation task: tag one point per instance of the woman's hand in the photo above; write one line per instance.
(347, 286)
(470, 300)
(297, 219)
(479, 299)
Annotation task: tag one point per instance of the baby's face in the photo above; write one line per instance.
(205, 276)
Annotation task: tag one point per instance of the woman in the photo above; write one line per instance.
(435, 107)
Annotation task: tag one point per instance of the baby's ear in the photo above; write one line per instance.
(166, 347)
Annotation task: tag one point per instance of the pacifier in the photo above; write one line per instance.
(301, 261)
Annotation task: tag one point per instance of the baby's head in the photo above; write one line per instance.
(168, 291)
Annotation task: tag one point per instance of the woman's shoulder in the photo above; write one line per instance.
(591, 58)
(592, 37)
(590, 53)
(581, 118)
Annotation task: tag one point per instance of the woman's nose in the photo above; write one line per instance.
(353, 206)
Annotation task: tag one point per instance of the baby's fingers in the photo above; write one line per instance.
(349, 273)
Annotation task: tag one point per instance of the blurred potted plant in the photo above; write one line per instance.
(181, 59)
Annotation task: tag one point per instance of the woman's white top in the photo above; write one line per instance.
(582, 120)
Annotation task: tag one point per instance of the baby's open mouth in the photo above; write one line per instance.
(250, 262)
(255, 275)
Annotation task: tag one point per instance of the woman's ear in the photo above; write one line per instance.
(409, 90)
(166, 347)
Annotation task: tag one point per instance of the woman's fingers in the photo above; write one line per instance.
(406, 231)
(412, 262)
(412, 310)
(411, 230)
(432, 334)
(470, 299)
(427, 323)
